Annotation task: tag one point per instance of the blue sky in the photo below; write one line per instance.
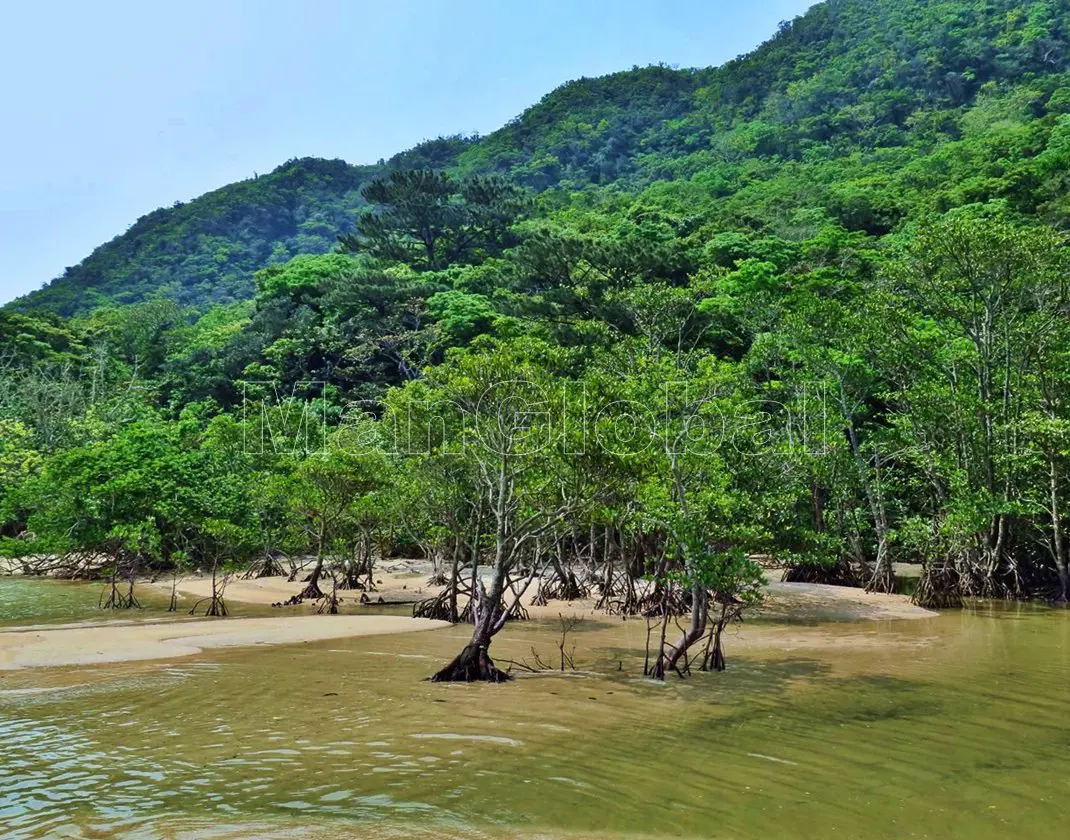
(114, 108)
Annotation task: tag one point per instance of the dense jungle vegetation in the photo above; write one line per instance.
(811, 305)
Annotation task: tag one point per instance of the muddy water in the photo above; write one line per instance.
(954, 727)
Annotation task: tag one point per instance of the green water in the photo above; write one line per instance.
(45, 601)
(954, 727)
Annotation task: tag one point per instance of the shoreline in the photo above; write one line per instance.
(114, 640)
(106, 643)
(406, 582)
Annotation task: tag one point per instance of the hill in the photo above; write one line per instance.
(835, 113)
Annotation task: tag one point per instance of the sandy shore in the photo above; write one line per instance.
(841, 602)
(262, 591)
(396, 583)
(790, 600)
(407, 581)
(86, 644)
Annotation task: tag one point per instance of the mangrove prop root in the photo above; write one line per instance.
(835, 574)
(939, 588)
(217, 607)
(312, 592)
(883, 580)
(438, 579)
(672, 603)
(473, 664)
(439, 608)
(266, 566)
(558, 588)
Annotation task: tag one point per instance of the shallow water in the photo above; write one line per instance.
(954, 727)
(47, 601)
(23, 600)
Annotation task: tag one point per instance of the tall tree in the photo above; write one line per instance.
(430, 220)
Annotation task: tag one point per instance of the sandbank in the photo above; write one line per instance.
(87, 644)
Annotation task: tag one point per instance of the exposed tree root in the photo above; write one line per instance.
(312, 591)
(840, 573)
(713, 658)
(124, 571)
(560, 586)
(473, 664)
(882, 579)
(518, 612)
(939, 588)
(439, 578)
(446, 606)
(675, 601)
(296, 600)
(216, 605)
(358, 575)
(329, 603)
(118, 600)
(443, 607)
(269, 565)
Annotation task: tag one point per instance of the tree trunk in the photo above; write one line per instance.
(883, 578)
(473, 664)
(700, 609)
(455, 571)
(312, 591)
(1057, 537)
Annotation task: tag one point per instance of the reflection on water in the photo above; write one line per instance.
(953, 727)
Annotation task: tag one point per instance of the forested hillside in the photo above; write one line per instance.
(809, 306)
(833, 113)
(206, 251)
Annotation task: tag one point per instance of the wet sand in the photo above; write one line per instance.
(844, 602)
(85, 644)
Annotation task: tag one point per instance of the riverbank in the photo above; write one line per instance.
(158, 635)
(406, 581)
(397, 584)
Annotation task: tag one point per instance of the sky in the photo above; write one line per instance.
(111, 109)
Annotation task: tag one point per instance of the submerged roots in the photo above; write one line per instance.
(938, 588)
(473, 664)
